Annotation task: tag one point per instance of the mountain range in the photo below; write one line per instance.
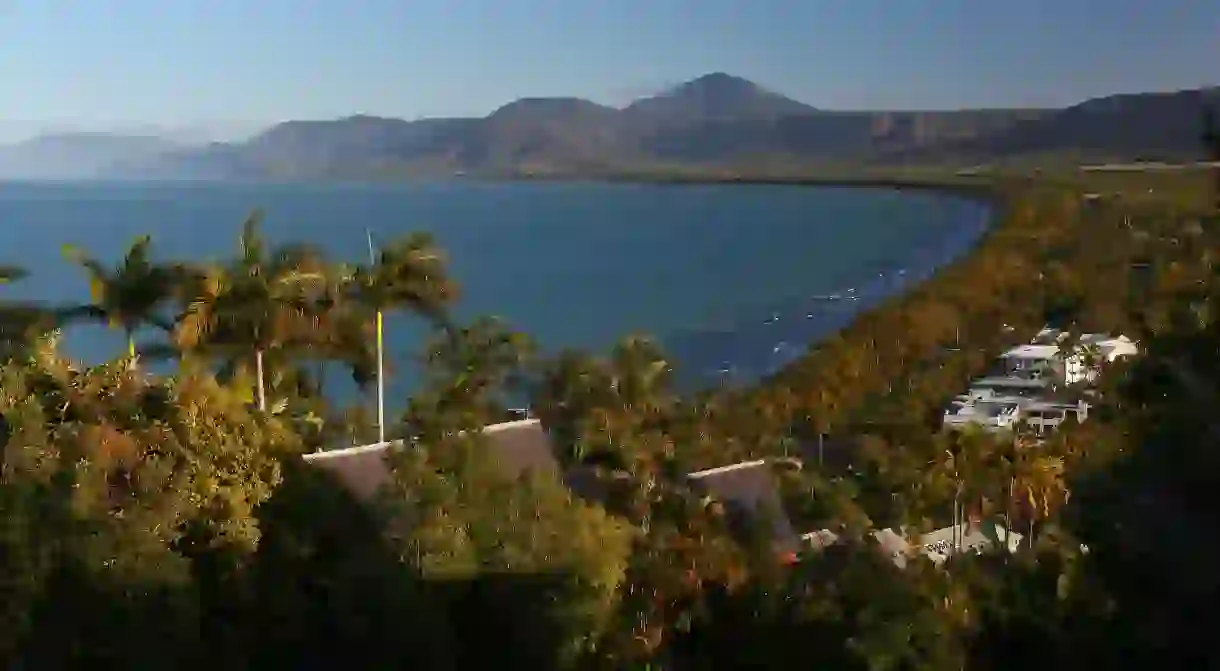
(717, 120)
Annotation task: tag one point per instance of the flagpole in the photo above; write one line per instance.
(380, 354)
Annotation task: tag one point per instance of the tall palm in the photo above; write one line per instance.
(258, 302)
(641, 375)
(1037, 480)
(128, 296)
(408, 274)
(607, 407)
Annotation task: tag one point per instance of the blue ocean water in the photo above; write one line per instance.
(724, 275)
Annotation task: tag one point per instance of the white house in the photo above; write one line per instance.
(1111, 348)
(1038, 361)
(1011, 386)
(1045, 417)
(987, 415)
(748, 488)
(937, 545)
(941, 544)
(1043, 356)
(520, 446)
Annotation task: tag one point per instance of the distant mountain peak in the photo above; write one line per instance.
(717, 96)
(720, 81)
(550, 107)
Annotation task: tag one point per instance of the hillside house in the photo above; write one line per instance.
(937, 545)
(987, 415)
(520, 445)
(748, 489)
(1021, 390)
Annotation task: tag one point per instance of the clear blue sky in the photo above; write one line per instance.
(186, 62)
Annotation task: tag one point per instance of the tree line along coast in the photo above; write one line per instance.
(152, 521)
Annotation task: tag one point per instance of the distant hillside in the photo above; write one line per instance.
(1154, 126)
(543, 134)
(717, 119)
(76, 155)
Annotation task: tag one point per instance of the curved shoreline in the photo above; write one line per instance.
(758, 348)
(983, 189)
(694, 375)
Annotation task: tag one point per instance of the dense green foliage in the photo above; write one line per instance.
(158, 522)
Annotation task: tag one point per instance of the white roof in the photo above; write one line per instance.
(1016, 382)
(1114, 348)
(1042, 352)
(937, 545)
(521, 445)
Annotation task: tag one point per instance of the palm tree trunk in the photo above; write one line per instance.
(380, 353)
(958, 518)
(1008, 509)
(380, 378)
(262, 389)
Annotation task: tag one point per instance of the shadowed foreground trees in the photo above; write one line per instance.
(112, 483)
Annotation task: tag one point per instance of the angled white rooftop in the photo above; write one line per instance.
(986, 414)
(1112, 348)
(521, 445)
(1045, 345)
(1034, 352)
(1009, 382)
(937, 545)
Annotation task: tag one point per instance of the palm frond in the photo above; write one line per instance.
(252, 245)
(11, 274)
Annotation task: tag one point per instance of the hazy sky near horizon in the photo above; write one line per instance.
(227, 64)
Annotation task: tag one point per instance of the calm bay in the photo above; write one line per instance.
(734, 280)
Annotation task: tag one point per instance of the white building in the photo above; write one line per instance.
(1043, 356)
(520, 446)
(1038, 361)
(1110, 348)
(937, 545)
(1019, 392)
(941, 544)
(987, 415)
(1045, 416)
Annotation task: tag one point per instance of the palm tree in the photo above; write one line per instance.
(259, 302)
(607, 407)
(1068, 354)
(1037, 479)
(128, 296)
(408, 274)
(11, 274)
